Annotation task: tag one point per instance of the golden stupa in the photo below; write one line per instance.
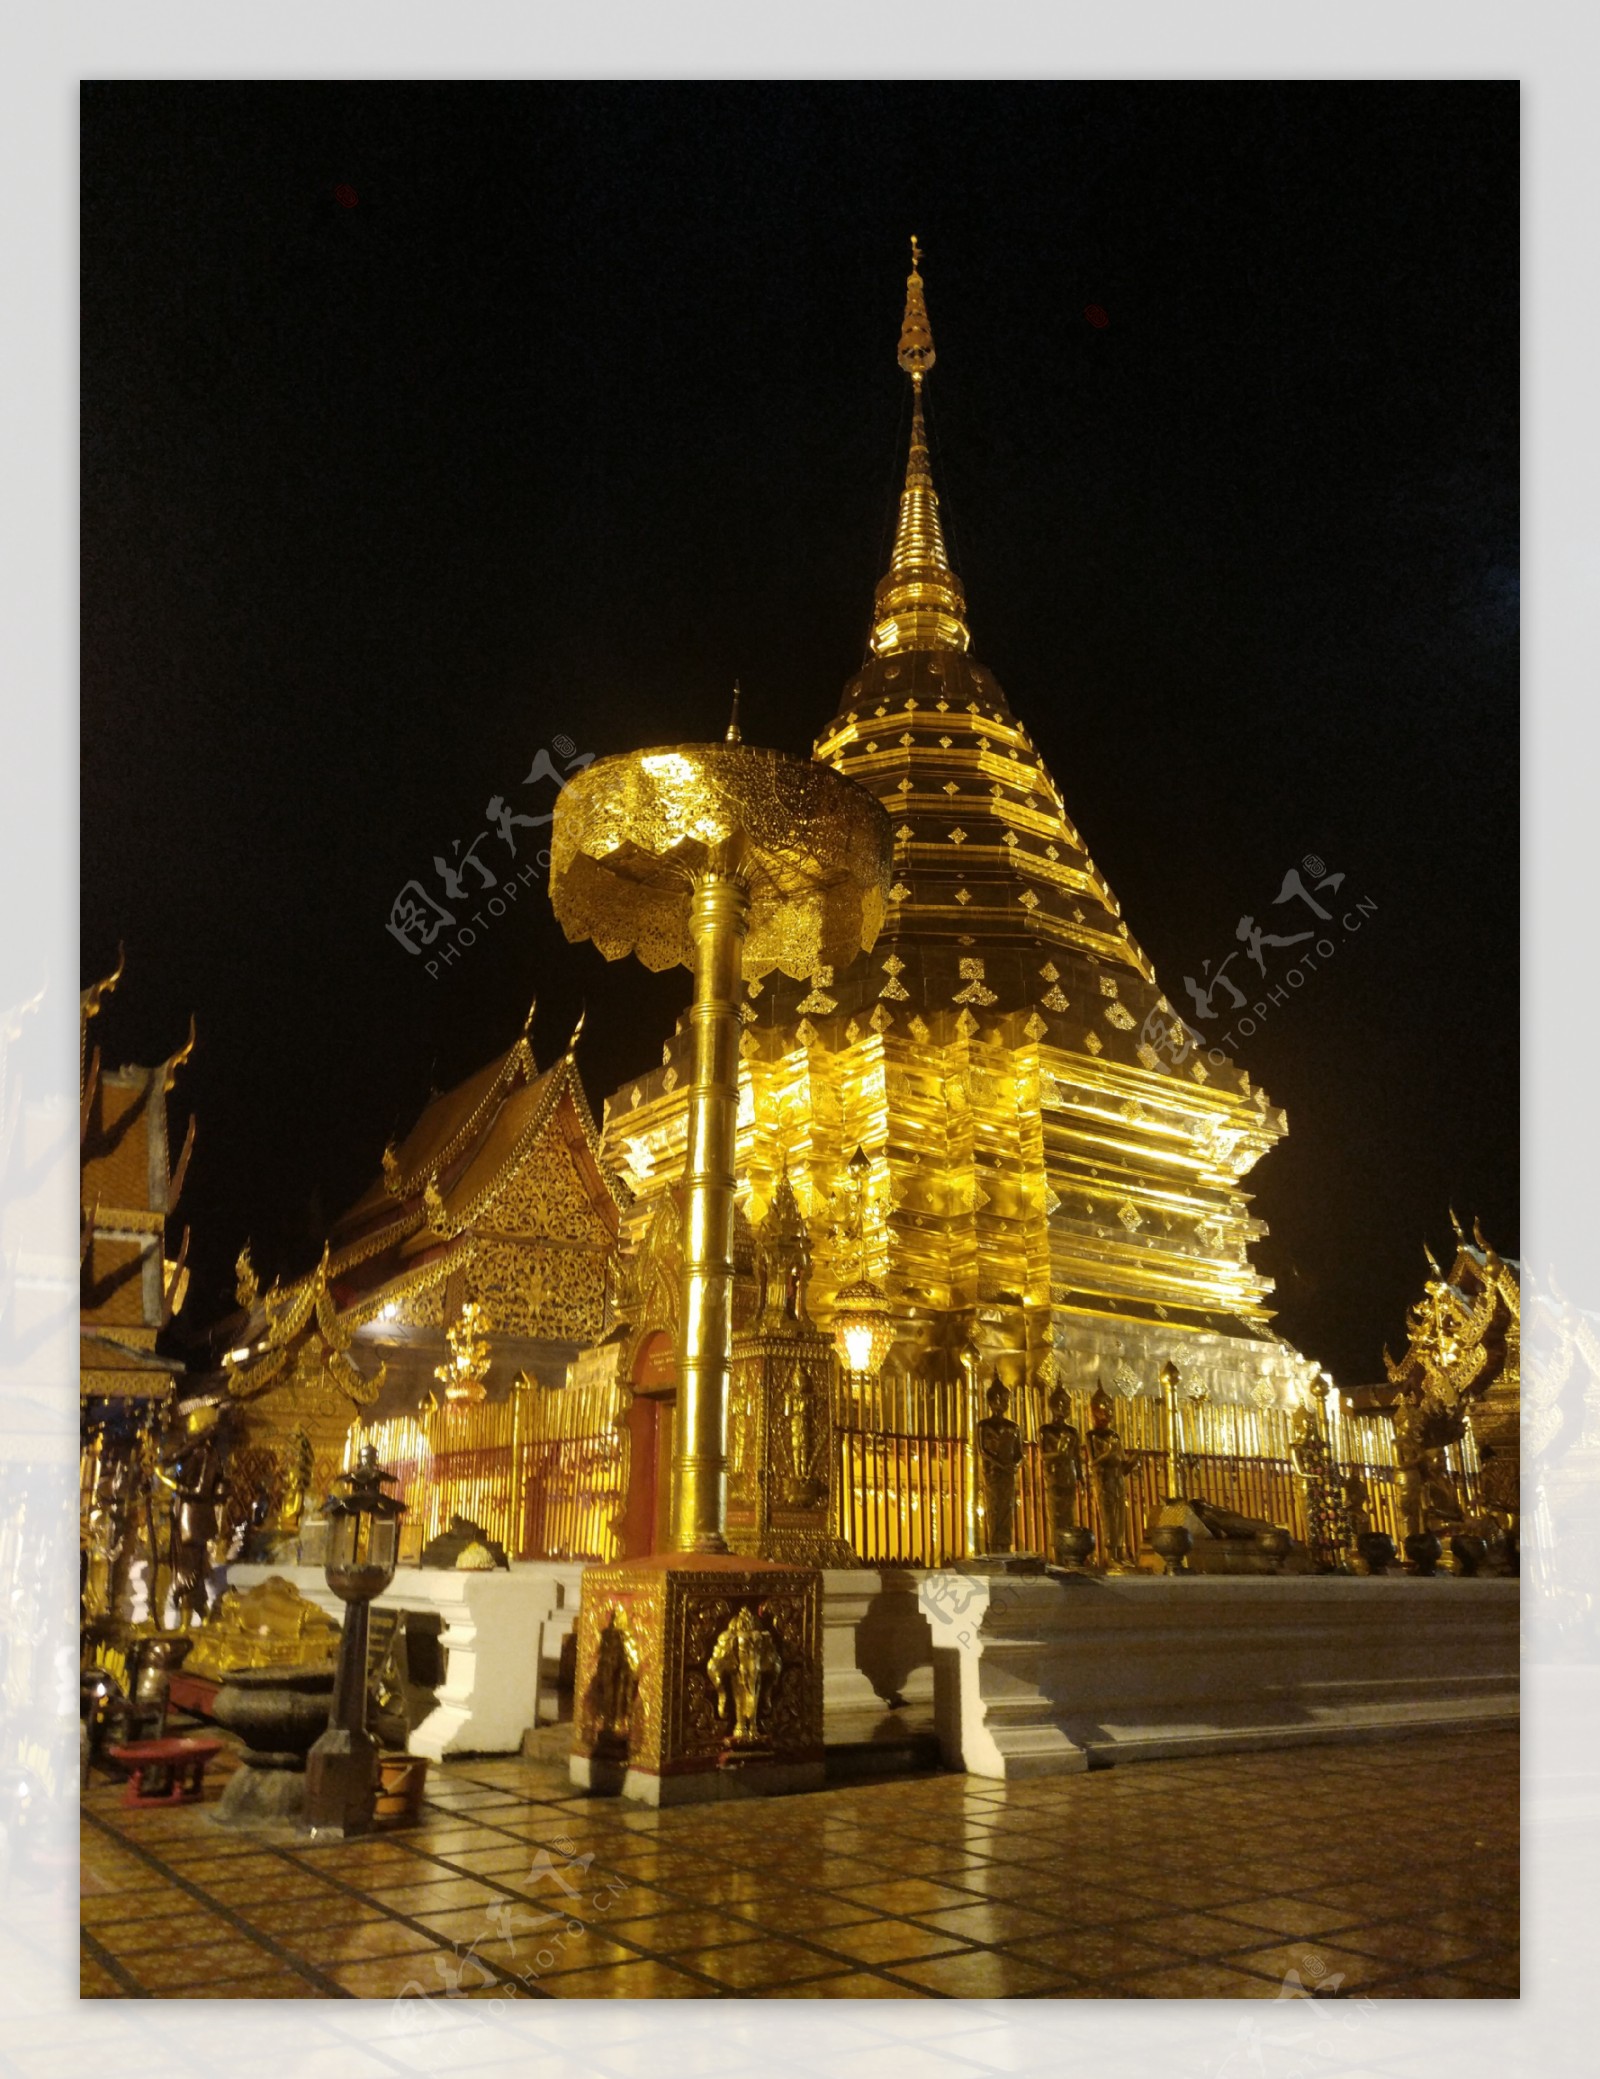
(1055, 1175)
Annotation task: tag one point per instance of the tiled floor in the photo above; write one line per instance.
(1383, 1869)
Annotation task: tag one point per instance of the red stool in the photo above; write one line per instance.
(165, 1772)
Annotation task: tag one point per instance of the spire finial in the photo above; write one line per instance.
(733, 736)
(920, 604)
(916, 335)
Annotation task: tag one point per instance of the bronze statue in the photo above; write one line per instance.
(1357, 1498)
(1408, 1457)
(744, 1665)
(616, 1678)
(196, 1476)
(1109, 1467)
(999, 1463)
(1441, 1498)
(1325, 1518)
(1062, 1451)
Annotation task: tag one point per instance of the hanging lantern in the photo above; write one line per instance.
(863, 1328)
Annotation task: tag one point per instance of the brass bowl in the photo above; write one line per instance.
(277, 1712)
(1173, 1542)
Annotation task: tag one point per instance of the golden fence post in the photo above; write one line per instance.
(519, 1446)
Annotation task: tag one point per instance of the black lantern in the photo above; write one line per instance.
(363, 1546)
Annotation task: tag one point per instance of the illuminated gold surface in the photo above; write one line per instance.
(719, 910)
(1458, 1411)
(675, 1612)
(463, 1373)
(631, 835)
(1055, 1168)
(743, 1667)
(782, 1450)
(269, 1626)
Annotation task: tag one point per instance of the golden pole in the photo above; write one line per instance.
(1169, 1428)
(718, 917)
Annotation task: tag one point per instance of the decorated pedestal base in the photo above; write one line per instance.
(699, 1677)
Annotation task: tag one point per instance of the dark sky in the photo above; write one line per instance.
(426, 425)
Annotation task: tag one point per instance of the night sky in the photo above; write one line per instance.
(427, 428)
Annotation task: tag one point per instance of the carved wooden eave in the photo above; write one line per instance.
(290, 1318)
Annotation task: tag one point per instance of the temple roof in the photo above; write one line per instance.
(129, 1186)
(1100, 1160)
(1464, 1332)
(434, 1199)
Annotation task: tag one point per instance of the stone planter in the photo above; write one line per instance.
(1423, 1552)
(278, 1713)
(1469, 1553)
(1273, 1545)
(1377, 1550)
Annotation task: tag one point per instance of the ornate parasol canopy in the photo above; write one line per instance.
(631, 833)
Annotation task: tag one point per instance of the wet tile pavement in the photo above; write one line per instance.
(1241, 1876)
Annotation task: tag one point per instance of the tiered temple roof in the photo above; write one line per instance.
(498, 1193)
(1048, 1140)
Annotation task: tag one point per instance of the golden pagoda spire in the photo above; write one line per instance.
(919, 603)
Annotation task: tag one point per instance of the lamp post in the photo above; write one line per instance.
(363, 1546)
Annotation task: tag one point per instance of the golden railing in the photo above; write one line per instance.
(544, 1472)
(901, 1492)
(904, 1493)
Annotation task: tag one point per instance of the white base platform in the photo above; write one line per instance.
(1039, 1676)
(1033, 1675)
(497, 1627)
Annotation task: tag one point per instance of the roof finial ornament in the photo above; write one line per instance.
(916, 335)
(733, 736)
(533, 1009)
(577, 1031)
